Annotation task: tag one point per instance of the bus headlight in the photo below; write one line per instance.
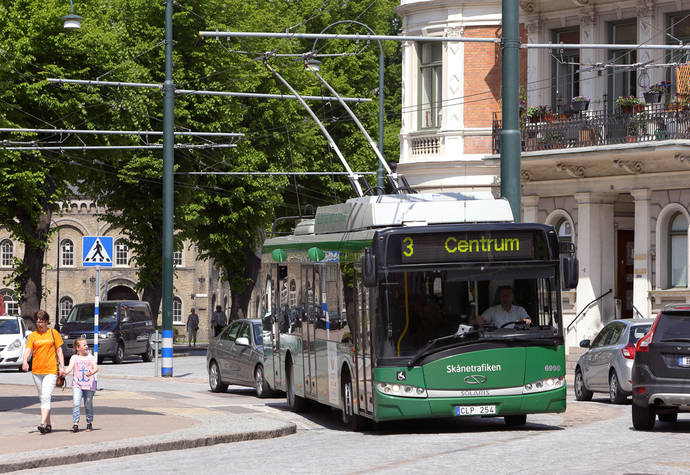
(544, 385)
(404, 390)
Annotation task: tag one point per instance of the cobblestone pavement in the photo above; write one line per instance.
(592, 437)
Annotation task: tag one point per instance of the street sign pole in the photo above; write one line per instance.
(96, 304)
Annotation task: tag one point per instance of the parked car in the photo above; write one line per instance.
(661, 373)
(236, 356)
(13, 335)
(606, 367)
(124, 328)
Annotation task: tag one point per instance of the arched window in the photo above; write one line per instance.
(293, 294)
(65, 307)
(67, 252)
(177, 258)
(678, 251)
(177, 310)
(11, 303)
(121, 253)
(565, 233)
(6, 253)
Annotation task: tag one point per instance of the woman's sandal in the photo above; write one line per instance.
(42, 429)
(89, 427)
(49, 428)
(75, 428)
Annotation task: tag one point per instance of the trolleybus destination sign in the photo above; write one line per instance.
(466, 246)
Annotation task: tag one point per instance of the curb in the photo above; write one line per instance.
(192, 443)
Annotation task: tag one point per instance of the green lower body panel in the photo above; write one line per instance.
(396, 407)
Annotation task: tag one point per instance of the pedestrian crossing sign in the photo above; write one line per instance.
(97, 251)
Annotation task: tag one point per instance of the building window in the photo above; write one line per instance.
(121, 254)
(293, 294)
(177, 258)
(565, 233)
(430, 84)
(622, 81)
(678, 251)
(565, 79)
(177, 310)
(11, 303)
(67, 253)
(6, 253)
(65, 307)
(678, 28)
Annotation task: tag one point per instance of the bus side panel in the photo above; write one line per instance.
(293, 344)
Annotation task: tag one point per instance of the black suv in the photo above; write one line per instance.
(661, 372)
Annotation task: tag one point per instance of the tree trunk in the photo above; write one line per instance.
(240, 300)
(153, 296)
(30, 280)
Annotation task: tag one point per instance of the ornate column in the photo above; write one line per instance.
(595, 252)
(530, 208)
(454, 90)
(641, 279)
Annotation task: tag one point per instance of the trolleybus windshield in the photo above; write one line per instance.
(422, 306)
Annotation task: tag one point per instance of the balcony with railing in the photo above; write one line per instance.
(641, 123)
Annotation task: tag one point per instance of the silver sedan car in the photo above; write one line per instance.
(236, 356)
(607, 365)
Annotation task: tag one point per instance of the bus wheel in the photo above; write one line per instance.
(351, 420)
(295, 403)
(516, 420)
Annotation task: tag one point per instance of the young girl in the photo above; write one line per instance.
(83, 366)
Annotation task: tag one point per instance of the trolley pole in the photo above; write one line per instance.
(510, 132)
(168, 177)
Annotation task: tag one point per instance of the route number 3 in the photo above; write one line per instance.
(408, 250)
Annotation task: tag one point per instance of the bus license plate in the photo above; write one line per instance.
(684, 361)
(474, 410)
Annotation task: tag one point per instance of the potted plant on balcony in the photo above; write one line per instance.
(627, 103)
(654, 92)
(579, 103)
(536, 113)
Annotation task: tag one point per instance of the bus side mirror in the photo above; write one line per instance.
(570, 272)
(368, 268)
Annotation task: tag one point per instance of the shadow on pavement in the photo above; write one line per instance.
(100, 410)
(16, 403)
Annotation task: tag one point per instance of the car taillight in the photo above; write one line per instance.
(629, 351)
(645, 341)
(639, 390)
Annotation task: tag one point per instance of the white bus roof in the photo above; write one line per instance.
(411, 210)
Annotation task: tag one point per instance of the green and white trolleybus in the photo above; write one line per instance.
(372, 307)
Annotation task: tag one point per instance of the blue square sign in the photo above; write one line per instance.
(96, 251)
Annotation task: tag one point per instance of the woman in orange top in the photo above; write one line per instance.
(45, 367)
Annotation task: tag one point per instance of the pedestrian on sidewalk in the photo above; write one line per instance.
(192, 326)
(218, 320)
(83, 367)
(48, 362)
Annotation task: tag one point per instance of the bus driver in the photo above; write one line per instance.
(505, 312)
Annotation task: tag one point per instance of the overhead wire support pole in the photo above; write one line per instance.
(255, 95)
(351, 175)
(377, 151)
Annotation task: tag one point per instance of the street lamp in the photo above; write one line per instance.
(379, 171)
(72, 20)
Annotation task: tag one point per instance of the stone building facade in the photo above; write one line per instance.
(197, 283)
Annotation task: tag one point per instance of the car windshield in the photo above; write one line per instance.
(107, 313)
(258, 337)
(9, 327)
(638, 332)
(673, 327)
(429, 305)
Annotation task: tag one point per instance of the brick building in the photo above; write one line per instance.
(197, 283)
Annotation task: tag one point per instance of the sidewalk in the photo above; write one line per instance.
(125, 423)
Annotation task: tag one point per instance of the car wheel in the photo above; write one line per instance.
(119, 356)
(147, 356)
(351, 420)
(643, 417)
(515, 420)
(295, 403)
(262, 389)
(214, 379)
(616, 395)
(673, 417)
(581, 391)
